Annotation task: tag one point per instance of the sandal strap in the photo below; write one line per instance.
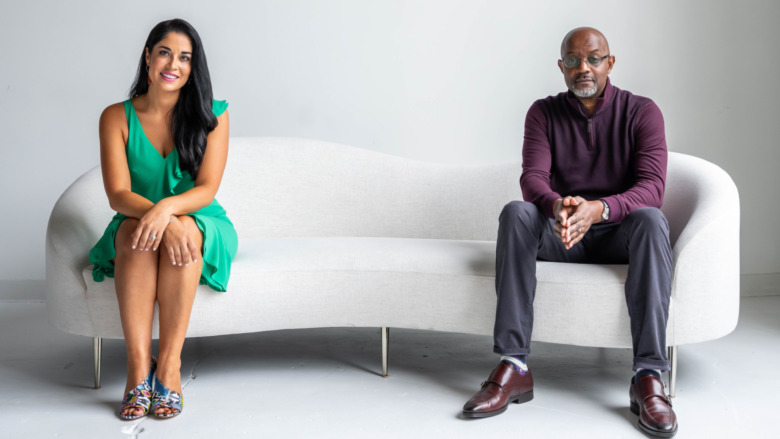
(140, 396)
(165, 397)
(173, 400)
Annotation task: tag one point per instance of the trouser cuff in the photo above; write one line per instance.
(649, 363)
(511, 351)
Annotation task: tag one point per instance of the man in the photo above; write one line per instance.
(594, 167)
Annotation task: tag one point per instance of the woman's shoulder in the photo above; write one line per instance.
(114, 113)
(118, 107)
(218, 107)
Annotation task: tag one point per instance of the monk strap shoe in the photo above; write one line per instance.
(649, 401)
(504, 385)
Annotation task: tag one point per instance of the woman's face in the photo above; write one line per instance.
(169, 62)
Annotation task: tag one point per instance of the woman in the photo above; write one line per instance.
(162, 154)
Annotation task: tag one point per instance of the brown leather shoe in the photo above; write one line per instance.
(504, 385)
(649, 401)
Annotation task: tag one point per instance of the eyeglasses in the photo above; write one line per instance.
(572, 62)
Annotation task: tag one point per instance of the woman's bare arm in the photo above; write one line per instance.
(113, 163)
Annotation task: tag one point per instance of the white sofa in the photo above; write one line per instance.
(335, 236)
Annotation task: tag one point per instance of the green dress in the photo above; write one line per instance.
(156, 177)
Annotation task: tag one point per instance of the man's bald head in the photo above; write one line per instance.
(585, 63)
(579, 34)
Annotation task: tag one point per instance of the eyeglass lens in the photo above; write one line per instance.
(572, 61)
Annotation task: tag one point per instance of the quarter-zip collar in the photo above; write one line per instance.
(603, 101)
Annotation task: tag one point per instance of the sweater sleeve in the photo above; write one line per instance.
(650, 157)
(537, 162)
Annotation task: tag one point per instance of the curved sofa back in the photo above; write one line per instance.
(282, 187)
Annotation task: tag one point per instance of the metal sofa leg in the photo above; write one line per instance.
(385, 348)
(673, 370)
(97, 346)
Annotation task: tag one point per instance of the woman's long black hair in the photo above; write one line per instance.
(192, 119)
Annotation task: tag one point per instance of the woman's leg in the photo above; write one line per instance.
(176, 287)
(135, 275)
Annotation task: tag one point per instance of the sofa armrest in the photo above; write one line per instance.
(77, 221)
(702, 206)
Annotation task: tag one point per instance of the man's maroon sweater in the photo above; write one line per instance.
(618, 154)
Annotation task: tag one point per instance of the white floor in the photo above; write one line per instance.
(320, 383)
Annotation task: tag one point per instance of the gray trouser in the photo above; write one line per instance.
(526, 235)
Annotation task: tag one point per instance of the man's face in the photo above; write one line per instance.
(585, 80)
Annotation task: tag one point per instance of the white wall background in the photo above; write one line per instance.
(434, 80)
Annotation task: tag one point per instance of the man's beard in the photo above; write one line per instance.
(586, 93)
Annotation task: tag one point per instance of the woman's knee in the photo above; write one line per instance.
(127, 227)
(184, 275)
(124, 236)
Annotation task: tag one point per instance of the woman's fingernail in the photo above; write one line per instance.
(173, 262)
(133, 247)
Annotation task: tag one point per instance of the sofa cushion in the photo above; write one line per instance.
(403, 255)
(445, 285)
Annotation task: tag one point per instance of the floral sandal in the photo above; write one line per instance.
(139, 397)
(165, 398)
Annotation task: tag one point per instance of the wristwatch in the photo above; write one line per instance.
(605, 213)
